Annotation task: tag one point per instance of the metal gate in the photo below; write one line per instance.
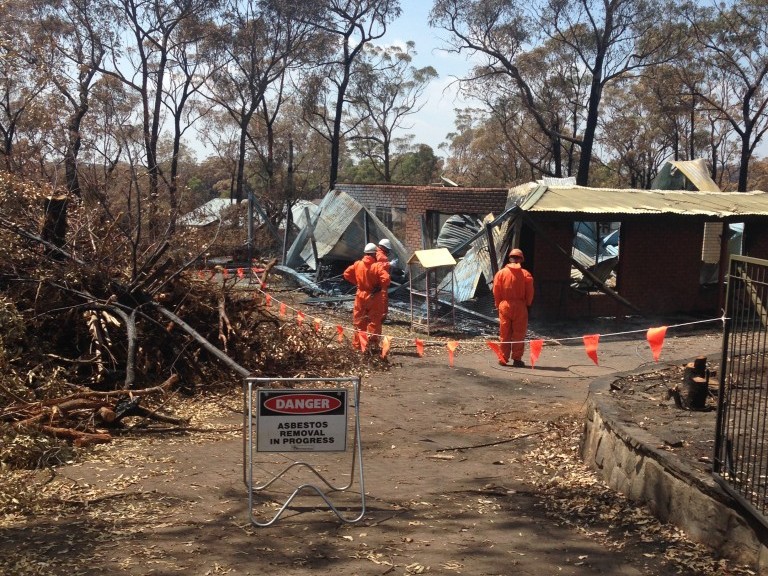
(741, 440)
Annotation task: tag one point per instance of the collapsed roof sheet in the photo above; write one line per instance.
(697, 172)
(206, 214)
(456, 231)
(299, 213)
(476, 263)
(339, 231)
(584, 200)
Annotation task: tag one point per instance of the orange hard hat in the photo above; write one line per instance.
(517, 252)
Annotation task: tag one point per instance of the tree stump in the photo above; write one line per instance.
(695, 387)
(55, 222)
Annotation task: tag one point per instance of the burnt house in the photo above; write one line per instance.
(660, 236)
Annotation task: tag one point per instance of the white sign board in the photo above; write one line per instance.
(302, 421)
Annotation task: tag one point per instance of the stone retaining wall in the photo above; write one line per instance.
(628, 460)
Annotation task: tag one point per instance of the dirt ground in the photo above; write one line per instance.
(471, 469)
(642, 400)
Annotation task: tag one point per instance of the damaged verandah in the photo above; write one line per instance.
(660, 247)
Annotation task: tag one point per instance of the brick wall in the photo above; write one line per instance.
(658, 272)
(660, 264)
(418, 200)
(755, 242)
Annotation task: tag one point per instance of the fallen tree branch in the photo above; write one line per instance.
(229, 362)
(507, 441)
(202, 341)
(168, 429)
(80, 439)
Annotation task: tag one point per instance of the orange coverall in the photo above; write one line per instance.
(383, 259)
(513, 293)
(372, 281)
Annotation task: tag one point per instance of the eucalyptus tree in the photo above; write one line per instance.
(386, 89)
(479, 154)
(732, 41)
(419, 166)
(610, 39)
(560, 85)
(76, 35)
(348, 26)
(691, 128)
(23, 79)
(257, 43)
(153, 54)
(636, 138)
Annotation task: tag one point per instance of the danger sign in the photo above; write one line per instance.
(302, 421)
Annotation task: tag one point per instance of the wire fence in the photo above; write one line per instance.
(741, 444)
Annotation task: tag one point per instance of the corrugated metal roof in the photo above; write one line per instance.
(584, 200)
(476, 263)
(339, 233)
(206, 214)
(697, 172)
(299, 210)
(517, 194)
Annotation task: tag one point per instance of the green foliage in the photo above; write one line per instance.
(420, 167)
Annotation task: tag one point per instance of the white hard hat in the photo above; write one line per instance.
(370, 248)
(385, 243)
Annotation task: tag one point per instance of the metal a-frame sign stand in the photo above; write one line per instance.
(288, 420)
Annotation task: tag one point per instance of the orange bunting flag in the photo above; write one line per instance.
(655, 337)
(363, 337)
(283, 308)
(451, 345)
(225, 273)
(386, 342)
(496, 348)
(268, 300)
(240, 273)
(420, 347)
(317, 325)
(535, 350)
(299, 317)
(201, 274)
(590, 344)
(340, 333)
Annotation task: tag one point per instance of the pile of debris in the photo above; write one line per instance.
(96, 332)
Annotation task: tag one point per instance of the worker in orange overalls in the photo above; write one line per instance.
(513, 294)
(372, 281)
(382, 257)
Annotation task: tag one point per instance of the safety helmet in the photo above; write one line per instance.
(386, 244)
(517, 252)
(370, 248)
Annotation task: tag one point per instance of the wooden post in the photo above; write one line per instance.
(491, 250)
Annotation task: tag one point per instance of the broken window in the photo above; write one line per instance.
(453, 231)
(596, 248)
(736, 238)
(710, 250)
(393, 219)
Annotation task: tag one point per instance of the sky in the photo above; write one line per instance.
(436, 118)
